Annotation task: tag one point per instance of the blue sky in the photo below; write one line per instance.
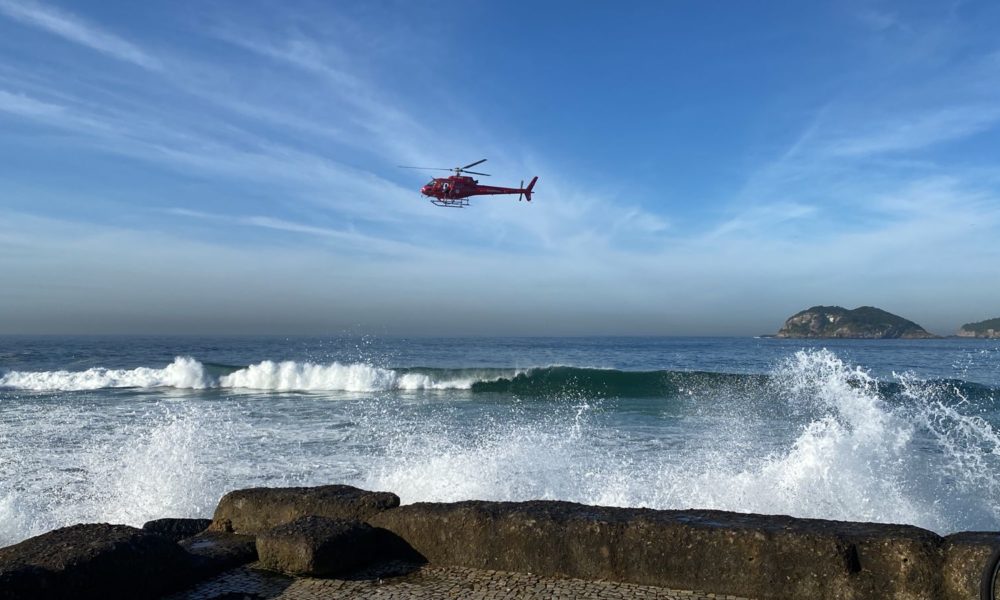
(704, 168)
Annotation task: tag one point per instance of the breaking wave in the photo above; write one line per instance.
(288, 376)
(188, 373)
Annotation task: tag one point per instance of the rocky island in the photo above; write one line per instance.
(865, 322)
(989, 328)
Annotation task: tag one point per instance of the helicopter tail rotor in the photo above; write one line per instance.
(527, 190)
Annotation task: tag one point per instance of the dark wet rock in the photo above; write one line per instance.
(92, 561)
(259, 509)
(216, 551)
(177, 529)
(317, 546)
(966, 557)
(765, 557)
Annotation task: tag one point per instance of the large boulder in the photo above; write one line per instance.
(215, 551)
(967, 555)
(317, 546)
(765, 557)
(92, 561)
(177, 529)
(255, 510)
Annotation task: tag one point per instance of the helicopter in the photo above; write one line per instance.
(454, 191)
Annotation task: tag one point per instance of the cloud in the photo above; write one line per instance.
(52, 114)
(76, 30)
(918, 130)
(358, 243)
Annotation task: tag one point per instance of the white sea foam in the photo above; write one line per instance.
(357, 377)
(188, 373)
(182, 373)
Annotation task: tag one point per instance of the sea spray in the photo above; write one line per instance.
(857, 455)
(816, 437)
(161, 459)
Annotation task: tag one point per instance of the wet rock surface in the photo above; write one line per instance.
(730, 553)
(317, 546)
(177, 529)
(212, 552)
(966, 556)
(256, 510)
(92, 561)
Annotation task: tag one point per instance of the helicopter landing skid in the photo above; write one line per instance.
(457, 203)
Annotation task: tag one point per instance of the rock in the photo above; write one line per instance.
(177, 529)
(259, 509)
(317, 546)
(865, 322)
(764, 557)
(92, 561)
(216, 551)
(966, 557)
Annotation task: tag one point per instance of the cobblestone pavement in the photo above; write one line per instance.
(390, 582)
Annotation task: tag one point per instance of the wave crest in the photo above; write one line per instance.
(188, 373)
(184, 372)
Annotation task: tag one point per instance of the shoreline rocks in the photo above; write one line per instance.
(318, 546)
(255, 510)
(177, 529)
(96, 560)
(768, 557)
(765, 557)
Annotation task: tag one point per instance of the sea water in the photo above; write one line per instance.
(128, 429)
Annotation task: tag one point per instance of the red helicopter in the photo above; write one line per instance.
(454, 191)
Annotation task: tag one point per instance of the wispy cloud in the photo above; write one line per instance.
(76, 30)
(919, 130)
(359, 243)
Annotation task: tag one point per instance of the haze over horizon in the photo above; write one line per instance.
(203, 167)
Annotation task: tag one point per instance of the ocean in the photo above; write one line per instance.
(128, 429)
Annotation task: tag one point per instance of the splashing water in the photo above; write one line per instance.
(816, 438)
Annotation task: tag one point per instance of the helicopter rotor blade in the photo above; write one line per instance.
(425, 168)
(473, 164)
(475, 173)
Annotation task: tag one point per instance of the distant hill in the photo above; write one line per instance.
(989, 328)
(865, 322)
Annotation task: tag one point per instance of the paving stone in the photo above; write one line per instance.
(397, 581)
